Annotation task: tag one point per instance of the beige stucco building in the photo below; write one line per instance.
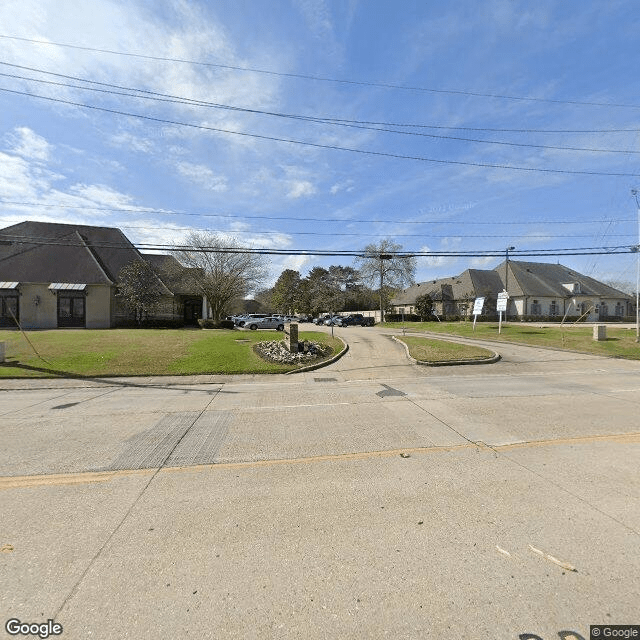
(63, 276)
(536, 290)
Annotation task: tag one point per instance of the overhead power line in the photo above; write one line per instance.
(142, 94)
(317, 145)
(42, 241)
(313, 118)
(301, 76)
(324, 219)
(363, 235)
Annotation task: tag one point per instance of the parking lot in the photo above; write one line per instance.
(372, 498)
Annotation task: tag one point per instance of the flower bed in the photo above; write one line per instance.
(277, 352)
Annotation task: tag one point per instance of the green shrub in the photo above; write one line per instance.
(212, 324)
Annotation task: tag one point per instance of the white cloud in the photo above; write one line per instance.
(318, 17)
(345, 185)
(447, 244)
(239, 226)
(132, 142)
(482, 262)
(101, 195)
(300, 188)
(295, 262)
(535, 236)
(19, 179)
(28, 144)
(182, 31)
(203, 176)
(151, 231)
(46, 194)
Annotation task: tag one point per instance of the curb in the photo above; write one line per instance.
(324, 363)
(449, 363)
(438, 336)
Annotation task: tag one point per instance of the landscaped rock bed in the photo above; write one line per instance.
(276, 351)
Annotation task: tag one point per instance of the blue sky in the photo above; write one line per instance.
(71, 164)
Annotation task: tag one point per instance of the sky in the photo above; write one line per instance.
(463, 126)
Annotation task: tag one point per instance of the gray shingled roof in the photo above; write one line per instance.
(175, 276)
(50, 252)
(525, 279)
(486, 282)
(546, 279)
(467, 285)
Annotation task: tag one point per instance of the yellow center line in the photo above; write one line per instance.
(19, 482)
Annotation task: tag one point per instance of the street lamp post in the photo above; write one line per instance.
(506, 280)
(634, 193)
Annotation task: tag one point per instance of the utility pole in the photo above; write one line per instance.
(634, 193)
(506, 281)
(383, 257)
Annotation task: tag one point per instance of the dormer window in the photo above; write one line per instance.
(572, 287)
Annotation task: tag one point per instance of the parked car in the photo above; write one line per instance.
(320, 320)
(358, 319)
(333, 321)
(242, 320)
(265, 323)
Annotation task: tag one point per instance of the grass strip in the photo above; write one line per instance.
(142, 352)
(430, 350)
(620, 342)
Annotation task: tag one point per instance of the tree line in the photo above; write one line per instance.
(369, 284)
(217, 268)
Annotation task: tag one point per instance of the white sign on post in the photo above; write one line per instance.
(477, 306)
(501, 306)
(477, 310)
(503, 297)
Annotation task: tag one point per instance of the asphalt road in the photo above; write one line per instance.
(373, 498)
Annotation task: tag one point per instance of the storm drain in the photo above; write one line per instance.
(200, 444)
(325, 380)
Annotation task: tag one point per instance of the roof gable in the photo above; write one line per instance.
(176, 277)
(548, 280)
(52, 252)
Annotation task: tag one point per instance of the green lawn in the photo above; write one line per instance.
(429, 350)
(128, 352)
(620, 342)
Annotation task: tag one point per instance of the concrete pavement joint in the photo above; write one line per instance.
(56, 398)
(35, 404)
(608, 395)
(500, 451)
(76, 586)
(442, 422)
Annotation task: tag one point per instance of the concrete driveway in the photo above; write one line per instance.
(372, 498)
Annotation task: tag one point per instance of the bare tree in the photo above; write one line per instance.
(381, 266)
(222, 269)
(622, 285)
